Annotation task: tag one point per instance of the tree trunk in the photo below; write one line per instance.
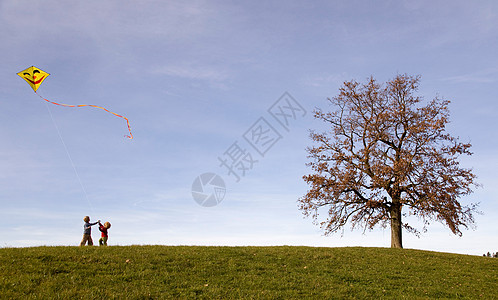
(396, 241)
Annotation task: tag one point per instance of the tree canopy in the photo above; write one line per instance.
(384, 156)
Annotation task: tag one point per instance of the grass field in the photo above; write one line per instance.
(186, 272)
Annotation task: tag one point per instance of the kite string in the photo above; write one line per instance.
(70, 159)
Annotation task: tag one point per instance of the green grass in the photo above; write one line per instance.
(186, 272)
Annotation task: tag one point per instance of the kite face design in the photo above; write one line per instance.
(34, 76)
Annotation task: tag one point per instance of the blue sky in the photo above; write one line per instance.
(193, 77)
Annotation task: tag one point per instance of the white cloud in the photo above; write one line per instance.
(326, 80)
(482, 76)
(106, 18)
(193, 71)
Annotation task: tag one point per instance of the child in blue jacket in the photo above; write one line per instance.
(87, 231)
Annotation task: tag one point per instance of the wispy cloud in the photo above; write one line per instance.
(164, 18)
(193, 71)
(325, 79)
(483, 76)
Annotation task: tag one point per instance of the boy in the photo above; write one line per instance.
(105, 236)
(87, 231)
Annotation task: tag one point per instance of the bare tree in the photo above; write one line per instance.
(383, 153)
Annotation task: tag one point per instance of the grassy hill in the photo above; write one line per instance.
(179, 272)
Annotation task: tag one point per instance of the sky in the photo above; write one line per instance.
(220, 98)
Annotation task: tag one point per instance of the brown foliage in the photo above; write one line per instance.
(385, 152)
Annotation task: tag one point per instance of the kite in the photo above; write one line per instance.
(35, 76)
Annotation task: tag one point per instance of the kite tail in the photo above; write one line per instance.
(81, 105)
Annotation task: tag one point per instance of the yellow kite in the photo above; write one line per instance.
(35, 76)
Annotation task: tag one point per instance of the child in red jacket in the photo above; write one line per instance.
(105, 236)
